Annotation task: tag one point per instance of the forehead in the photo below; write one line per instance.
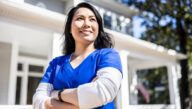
(84, 12)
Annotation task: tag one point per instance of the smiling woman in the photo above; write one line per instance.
(89, 74)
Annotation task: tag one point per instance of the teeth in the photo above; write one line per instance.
(86, 32)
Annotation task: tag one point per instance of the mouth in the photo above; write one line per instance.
(86, 32)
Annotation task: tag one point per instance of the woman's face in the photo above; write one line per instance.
(84, 26)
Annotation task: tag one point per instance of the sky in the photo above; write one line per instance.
(137, 28)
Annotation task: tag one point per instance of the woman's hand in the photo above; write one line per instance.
(54, 104)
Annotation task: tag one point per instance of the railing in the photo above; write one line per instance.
(16, 107)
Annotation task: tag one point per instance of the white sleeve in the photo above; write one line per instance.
(102, 91)
(41, 95)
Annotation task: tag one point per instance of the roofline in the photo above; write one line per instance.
(143, 46)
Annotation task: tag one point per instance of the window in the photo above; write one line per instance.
(118, 24)
(152, 86)
(32, 85)
(107, 21)
(36, 68)
(29, 74)
(128, 29)
(20, 67)
(18, 90)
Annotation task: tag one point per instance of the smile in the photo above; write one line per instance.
(86, 32)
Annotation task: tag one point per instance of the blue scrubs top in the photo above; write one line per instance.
(62, 75)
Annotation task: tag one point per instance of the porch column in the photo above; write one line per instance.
(124, 86)
(133, 85)
(173, 85)
(13, 70)
(24, 83)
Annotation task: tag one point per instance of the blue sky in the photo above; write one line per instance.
(137, 28)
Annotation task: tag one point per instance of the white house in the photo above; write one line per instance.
(30, 36)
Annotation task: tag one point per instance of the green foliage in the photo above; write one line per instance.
(169, 23)
(167, 34)
(172, 12)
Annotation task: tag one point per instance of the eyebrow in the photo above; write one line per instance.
(83, 16)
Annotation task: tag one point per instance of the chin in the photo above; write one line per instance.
(89, 38)
(88, 41)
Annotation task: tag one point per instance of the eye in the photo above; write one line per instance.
(93, 19)
(79, 18)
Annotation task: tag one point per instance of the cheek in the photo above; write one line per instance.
(74, 27)
(78, 24)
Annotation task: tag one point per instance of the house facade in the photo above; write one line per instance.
(31, 35)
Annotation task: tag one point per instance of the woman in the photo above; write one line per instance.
(89, 74)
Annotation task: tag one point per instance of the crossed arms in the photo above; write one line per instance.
(100, 91)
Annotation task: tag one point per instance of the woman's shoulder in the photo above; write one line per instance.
(107, 50)
(59, 59)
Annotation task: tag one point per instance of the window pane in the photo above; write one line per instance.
(18, 90)
(33, 83)
(107, 21)
(19, 67)
(153, 86)
(35, 68)
(118, 25)
(128, 29)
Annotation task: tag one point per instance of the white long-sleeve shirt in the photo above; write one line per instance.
(90, 95)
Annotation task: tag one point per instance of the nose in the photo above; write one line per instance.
(87, 23)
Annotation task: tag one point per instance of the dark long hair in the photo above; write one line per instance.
(103, 40)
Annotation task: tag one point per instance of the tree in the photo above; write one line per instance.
(169, 23)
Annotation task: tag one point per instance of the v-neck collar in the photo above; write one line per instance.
(81, 62)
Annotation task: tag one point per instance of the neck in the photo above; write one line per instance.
(83, 49)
